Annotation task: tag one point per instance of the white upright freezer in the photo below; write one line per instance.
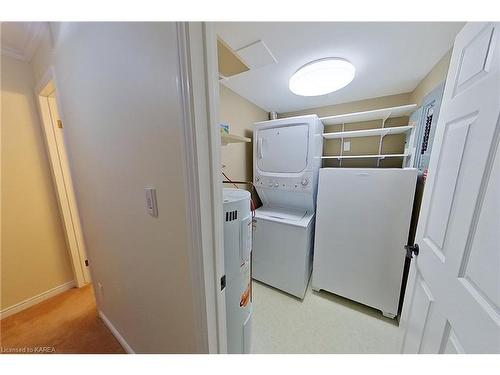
(362, 223)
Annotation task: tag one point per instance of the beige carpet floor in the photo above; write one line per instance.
(66, 323)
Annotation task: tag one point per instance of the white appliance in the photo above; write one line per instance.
(362, 225)
(237, 267)
(287, 157)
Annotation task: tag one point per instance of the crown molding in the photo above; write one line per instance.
(34, 37)
(13, 52)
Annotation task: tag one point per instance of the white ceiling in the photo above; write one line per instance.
(390, 57)
(20, 39)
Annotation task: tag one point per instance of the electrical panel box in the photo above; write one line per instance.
(425, 120)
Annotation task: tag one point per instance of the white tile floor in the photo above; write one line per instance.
(321, 323)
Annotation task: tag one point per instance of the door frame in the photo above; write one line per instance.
(200, 101)
(62, 181)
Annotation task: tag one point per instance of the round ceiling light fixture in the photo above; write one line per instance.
(321, 77)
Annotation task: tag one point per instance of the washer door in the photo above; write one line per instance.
(283, 149)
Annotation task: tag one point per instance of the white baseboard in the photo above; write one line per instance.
(8, 311)
(117, 334)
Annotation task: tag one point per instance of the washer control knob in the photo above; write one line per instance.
(276, 184)
(270, 184)
(304, 182)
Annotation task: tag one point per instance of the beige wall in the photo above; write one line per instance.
(34, 255)
(240, 114)
(392, 144)
(124, 131)
(432, 79)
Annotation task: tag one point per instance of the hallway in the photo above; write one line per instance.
(66, 323)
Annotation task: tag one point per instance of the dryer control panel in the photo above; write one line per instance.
(304, 182)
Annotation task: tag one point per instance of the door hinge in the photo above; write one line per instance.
(86, 262)
(59, 124)
(222, 282)
(412, 249)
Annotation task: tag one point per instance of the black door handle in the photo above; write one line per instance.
(412, 249)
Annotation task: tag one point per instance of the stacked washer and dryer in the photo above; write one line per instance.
(358, 232)
(287, 159)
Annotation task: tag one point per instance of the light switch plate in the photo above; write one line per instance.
(151, 204)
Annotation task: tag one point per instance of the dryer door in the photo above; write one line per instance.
(283, 149)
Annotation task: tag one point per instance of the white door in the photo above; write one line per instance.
(453, 296)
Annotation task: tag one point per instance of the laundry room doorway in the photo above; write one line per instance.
(349, 277)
